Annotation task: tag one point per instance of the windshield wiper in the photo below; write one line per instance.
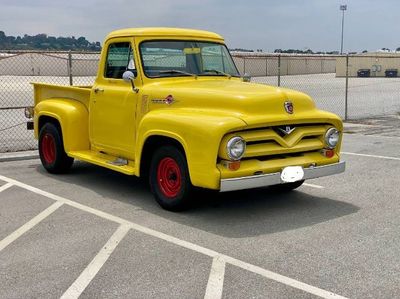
(218, 72)
(177, 72)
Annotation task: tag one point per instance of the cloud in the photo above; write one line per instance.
(267, 24)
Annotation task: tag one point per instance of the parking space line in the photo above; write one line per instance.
(371, 156)
(30, 224)
(215, 283)
(80, 284)
(5, 187)
(373, 135)
(249, 267)
(313, 186)
(283, 279)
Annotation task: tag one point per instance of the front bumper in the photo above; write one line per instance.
(263, 180)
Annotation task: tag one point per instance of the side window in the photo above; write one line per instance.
(119, 60)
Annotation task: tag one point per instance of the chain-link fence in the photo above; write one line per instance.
(354, 87)
(17, 70)
(350, 86)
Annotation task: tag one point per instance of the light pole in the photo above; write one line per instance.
(342, 8)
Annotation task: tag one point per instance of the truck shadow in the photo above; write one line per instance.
(234, 215)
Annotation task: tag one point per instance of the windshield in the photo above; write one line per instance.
(186, 58)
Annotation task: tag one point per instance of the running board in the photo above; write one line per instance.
(104, 160)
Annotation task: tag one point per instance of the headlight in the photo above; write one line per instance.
(235, 148)
(332, 137)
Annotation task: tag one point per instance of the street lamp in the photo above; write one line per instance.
(342, 8)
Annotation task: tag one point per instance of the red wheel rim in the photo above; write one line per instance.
(48, 148)
(169, 177)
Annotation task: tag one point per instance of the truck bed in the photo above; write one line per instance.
(43, 91)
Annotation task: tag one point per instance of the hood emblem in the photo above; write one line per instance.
(286, 130)
(168, 100)
(288, 107)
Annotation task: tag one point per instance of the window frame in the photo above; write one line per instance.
(131, 53)
(183, 40)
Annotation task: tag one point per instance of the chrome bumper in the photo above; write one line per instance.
(263, 180)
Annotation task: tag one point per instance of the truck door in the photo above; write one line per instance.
(113, 102)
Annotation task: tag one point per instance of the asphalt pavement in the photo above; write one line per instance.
(95, 233)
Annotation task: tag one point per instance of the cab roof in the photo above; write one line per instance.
(164, 31)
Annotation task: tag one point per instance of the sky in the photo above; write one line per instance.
(253, 24)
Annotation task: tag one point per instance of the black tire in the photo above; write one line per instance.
(51, 150)
(287, 187)
(169, 179)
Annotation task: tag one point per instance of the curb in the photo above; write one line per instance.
(18, 156)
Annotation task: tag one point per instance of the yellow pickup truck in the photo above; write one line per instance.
(170, 105)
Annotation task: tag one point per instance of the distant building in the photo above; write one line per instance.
(378, 63)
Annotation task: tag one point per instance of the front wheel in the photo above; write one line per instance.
(169, 179)
(51, 150)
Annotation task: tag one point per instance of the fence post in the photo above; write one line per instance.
(244, 65)
(279, 70)
(347, 89)
(266, 66)
(70, 68)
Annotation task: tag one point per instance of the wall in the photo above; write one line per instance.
(385, 61)
(258, 65)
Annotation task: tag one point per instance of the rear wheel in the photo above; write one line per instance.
(169, 179)
(51, 150)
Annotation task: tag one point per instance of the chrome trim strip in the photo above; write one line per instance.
(263, 180)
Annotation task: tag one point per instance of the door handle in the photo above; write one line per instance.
(97, 90)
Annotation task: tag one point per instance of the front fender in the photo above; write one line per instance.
(198, 132)
(73, 118)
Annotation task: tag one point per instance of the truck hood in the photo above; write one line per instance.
(253, 103)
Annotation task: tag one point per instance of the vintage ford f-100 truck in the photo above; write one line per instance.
(170, 105)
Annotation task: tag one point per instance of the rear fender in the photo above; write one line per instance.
(72, 117)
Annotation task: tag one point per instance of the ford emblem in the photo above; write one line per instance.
(288, 107)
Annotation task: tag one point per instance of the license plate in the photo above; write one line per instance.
(292, 174)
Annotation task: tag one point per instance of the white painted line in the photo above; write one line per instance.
(376, 136)
(313, 186)
(282, 279)
(371, 156)
(113, 218)
(30, 224)
(215, 283)
(5, 186)
(80, 284)
(255, 269)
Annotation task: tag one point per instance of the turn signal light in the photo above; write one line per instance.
(231, 165)
(329, 153)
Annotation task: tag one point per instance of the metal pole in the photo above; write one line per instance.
(343, 8)
(244, 65)
(70, 68)
(341, 44)
(279, 70)
(347, 89)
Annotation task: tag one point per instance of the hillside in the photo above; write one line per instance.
(45, 42)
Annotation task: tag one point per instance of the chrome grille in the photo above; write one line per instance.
(270, 141)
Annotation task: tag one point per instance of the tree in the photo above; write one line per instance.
(42, 41)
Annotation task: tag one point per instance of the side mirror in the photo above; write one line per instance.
(246, 77)
(129, 76)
